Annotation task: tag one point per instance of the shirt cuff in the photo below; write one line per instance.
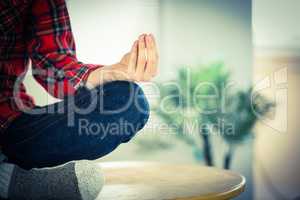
(84, 77)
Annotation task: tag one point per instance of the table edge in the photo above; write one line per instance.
(234, 192)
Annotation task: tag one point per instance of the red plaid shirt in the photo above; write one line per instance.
(40, 31)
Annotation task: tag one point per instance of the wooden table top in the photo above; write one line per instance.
(156, 181)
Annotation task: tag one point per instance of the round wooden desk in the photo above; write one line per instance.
(156, 181)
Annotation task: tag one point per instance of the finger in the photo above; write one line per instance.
(133, 59)
(150, 67)
(154, 55)
(141, 61)
(154, 44)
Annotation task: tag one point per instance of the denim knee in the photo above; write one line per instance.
(131, 106)
(138, 110)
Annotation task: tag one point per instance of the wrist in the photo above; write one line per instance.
(99, 77)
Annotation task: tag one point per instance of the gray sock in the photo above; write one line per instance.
(80, 180)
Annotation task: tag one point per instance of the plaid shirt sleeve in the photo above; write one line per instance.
(52, 51)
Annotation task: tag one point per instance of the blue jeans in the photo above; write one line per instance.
(88, 125)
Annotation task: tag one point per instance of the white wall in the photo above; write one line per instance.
(105, 30)
(276, 23)
(277, 39)
(195, 32)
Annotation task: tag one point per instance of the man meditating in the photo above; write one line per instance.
(43, 149)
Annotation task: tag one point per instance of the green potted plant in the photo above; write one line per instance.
(200, 96)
